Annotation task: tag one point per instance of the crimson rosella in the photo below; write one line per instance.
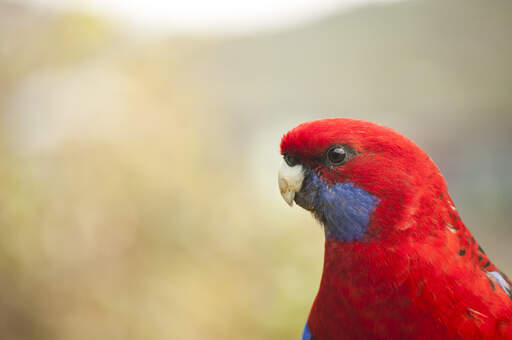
(399, 262)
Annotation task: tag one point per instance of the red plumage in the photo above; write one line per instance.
(417, 273)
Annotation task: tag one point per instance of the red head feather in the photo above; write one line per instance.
(388, 165)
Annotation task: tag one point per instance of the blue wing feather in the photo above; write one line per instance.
(306, 334)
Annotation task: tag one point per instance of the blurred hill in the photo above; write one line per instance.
(140, 198)
(381, 58)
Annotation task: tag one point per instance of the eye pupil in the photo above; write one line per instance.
(336, 155)
(290, 160)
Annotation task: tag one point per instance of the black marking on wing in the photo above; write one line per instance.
(492, 285)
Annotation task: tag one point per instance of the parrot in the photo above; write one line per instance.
(399, 263)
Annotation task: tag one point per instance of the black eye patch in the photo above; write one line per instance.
(290, 160)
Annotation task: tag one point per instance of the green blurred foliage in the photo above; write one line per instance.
(139, 195)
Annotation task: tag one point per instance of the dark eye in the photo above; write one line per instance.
(336, 155)
(290, 160)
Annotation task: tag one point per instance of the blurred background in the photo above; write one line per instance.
(139, 147)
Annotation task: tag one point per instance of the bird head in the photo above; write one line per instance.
(359, 179)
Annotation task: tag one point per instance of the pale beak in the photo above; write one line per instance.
(290, 181)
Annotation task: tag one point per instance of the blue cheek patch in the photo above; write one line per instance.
(344, 208)
(306, 334)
